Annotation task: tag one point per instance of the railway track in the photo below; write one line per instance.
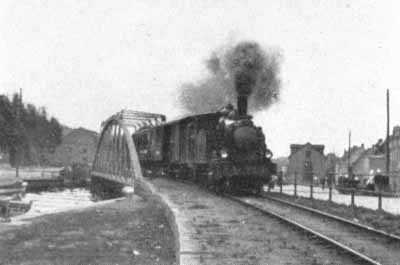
(388, 236)
(364, 244)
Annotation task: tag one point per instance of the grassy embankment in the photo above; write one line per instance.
(131, 231)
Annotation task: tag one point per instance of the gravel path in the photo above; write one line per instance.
(224, 232)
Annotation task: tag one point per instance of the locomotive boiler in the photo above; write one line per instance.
(222, 150)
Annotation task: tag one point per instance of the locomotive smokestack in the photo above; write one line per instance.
(242, 105)
(244, 82)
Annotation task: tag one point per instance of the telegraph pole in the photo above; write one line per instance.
(18, 147)
(387, 133)
(348, 155)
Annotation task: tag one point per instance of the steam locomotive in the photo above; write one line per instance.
(223, 151)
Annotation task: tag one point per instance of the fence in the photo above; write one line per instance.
(378, 198)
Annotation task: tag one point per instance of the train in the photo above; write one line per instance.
(223, 150)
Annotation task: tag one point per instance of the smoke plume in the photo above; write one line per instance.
(244, 69)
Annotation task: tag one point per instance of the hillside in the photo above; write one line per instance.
(77, 146)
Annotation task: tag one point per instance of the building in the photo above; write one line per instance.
(368, 165)
(77, 147)
(348, 158)
(394, 147)
(307, 161)
(362, 161)
(394, 169)
(330, 163)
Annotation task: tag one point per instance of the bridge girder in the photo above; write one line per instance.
(116, 158)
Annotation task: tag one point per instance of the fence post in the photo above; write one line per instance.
(295, 184)
(280, 185)
(330, 192)
(6, 210)
(352, 197)
(311, 190)
(379, 200)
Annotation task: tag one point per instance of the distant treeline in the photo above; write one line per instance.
(26, 133)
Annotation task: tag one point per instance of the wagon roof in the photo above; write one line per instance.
(210, 115)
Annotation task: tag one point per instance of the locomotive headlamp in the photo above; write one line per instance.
(268, 154)
(224, 153)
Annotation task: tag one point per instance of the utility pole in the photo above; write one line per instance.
(18, 147)
(348, 155)
(387, 133)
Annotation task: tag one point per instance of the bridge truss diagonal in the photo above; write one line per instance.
(116, 158)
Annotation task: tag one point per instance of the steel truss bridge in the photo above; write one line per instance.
(116, 160)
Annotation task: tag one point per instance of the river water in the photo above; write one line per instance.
(49, 202)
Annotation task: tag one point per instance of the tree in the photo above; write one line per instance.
(26, 132)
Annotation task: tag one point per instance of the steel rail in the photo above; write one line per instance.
(352, 252)
(336, 218)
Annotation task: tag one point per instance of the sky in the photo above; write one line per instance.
(84, 60)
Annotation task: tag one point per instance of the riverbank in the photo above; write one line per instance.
(130, 231)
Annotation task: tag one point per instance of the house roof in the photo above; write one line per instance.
(185, 119)
(294, 148)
